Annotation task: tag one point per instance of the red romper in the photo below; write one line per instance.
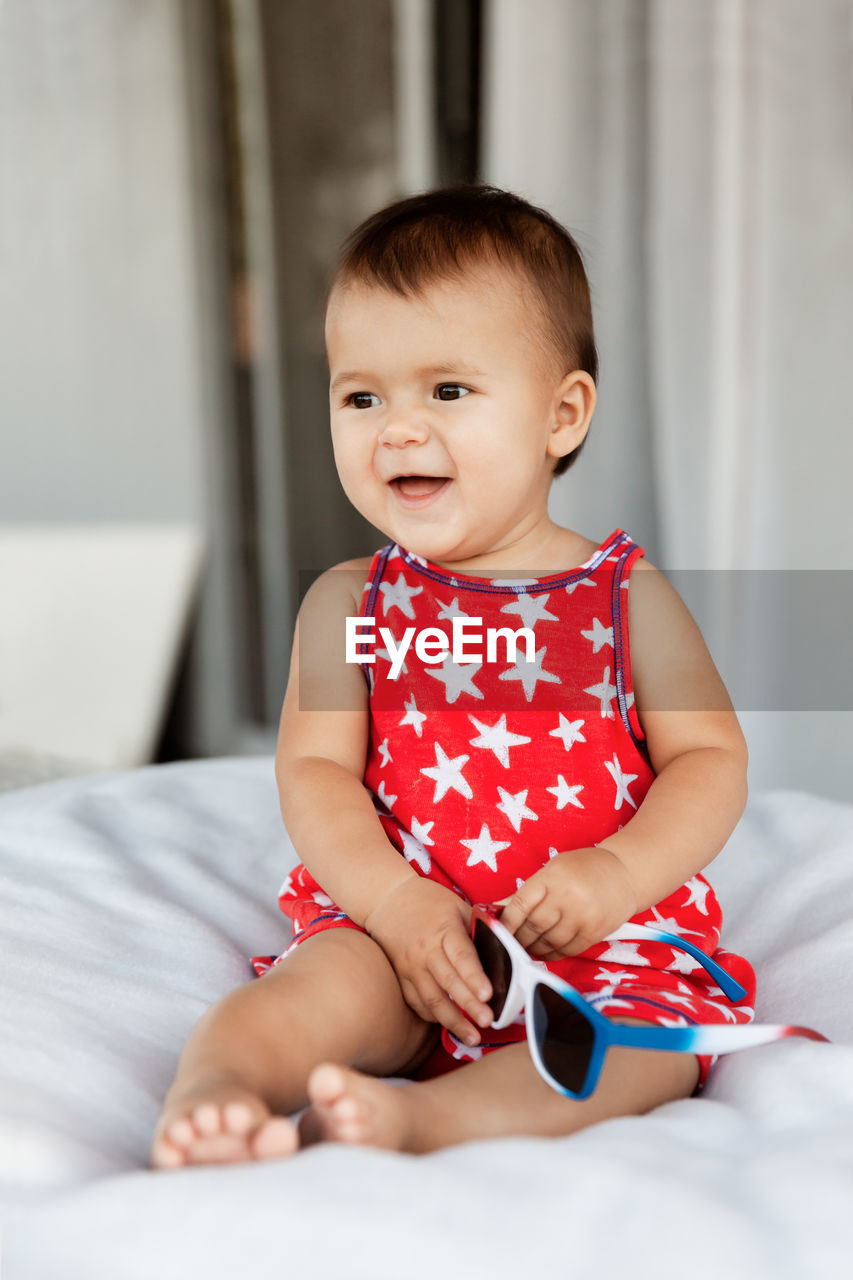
(483, 770)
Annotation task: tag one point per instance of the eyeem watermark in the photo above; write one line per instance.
(432, 646)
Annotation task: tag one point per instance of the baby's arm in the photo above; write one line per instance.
(699, 754)
(329, 815)
(695, 743)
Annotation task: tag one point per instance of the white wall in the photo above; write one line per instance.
(113, 368)
(100, 401)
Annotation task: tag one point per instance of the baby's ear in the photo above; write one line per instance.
(573, 409)
(563, 440)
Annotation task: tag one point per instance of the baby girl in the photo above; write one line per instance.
(571, 784)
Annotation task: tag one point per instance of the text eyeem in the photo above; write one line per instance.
(431, 644)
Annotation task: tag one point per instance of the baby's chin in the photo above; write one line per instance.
(427, 540)
(449, 556)
(429, 535)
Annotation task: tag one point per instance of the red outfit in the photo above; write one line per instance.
(482, 770)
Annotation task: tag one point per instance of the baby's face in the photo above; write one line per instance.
(452, 390)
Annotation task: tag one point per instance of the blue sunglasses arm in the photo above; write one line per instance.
(707, 1038)
(727, 984)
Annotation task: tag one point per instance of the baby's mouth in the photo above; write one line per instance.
(419, 486)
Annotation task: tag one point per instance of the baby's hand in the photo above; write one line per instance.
(423, 930)
(571, 903)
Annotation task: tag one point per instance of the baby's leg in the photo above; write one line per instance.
(501, 1095)
(247, 1061)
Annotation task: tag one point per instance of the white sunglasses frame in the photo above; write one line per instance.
(527, 973)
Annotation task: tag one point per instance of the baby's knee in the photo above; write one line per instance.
(342, 968)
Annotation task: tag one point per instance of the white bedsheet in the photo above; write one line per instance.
(131, 901)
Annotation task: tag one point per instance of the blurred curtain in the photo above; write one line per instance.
(700, 150)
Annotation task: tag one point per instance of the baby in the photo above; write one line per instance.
(570, 786)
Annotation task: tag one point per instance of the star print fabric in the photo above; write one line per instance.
(483, 770)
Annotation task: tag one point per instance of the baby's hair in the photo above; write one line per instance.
(436, 235)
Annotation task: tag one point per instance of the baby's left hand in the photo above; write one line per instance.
(571, 903)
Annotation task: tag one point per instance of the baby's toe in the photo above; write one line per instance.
(181, 1133)
(238, 1118)
(207, 1118)
(165, 1155)
(277, 1138)
(348, 1110)
(327, 1085)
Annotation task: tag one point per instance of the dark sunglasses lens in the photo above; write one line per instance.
(565, 1037)
(496, 963)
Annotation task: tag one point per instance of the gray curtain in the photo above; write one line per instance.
(701, 152)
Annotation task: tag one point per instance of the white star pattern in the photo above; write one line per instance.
(605, 692)
(622, 781)
(673, 998)
(566, 794)
(398, 595)
(421, 830)
(452, 610)
(457, 678)
(622, 975)
(602, 994)
(571, 587)
(670, 925)
(599, 636)
(697, 892)
(497, 738)
(387, 800)
(681, 962)
(531, 609)
(383, 653)
(385, 753)
(515, 808)
(414, 851)
(448, 774)
(413, 717)
(470, 1052)
(624, 953)
(484, 848)
(569, 731)
(530, 672)
(726, 1010)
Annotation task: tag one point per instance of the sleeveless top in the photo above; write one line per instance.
(482, 769)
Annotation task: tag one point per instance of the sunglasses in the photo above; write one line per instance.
(568, 1038)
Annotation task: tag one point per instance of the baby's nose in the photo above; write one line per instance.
(403, 428)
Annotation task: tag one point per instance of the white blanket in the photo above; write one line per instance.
(132, 901)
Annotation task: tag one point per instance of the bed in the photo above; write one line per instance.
(132, 900)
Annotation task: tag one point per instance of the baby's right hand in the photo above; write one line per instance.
(423, 930)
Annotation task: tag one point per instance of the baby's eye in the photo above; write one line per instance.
(453, 386)
(360, 395)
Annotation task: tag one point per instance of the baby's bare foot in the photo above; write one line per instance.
(350, 1107)
(219, 1121)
